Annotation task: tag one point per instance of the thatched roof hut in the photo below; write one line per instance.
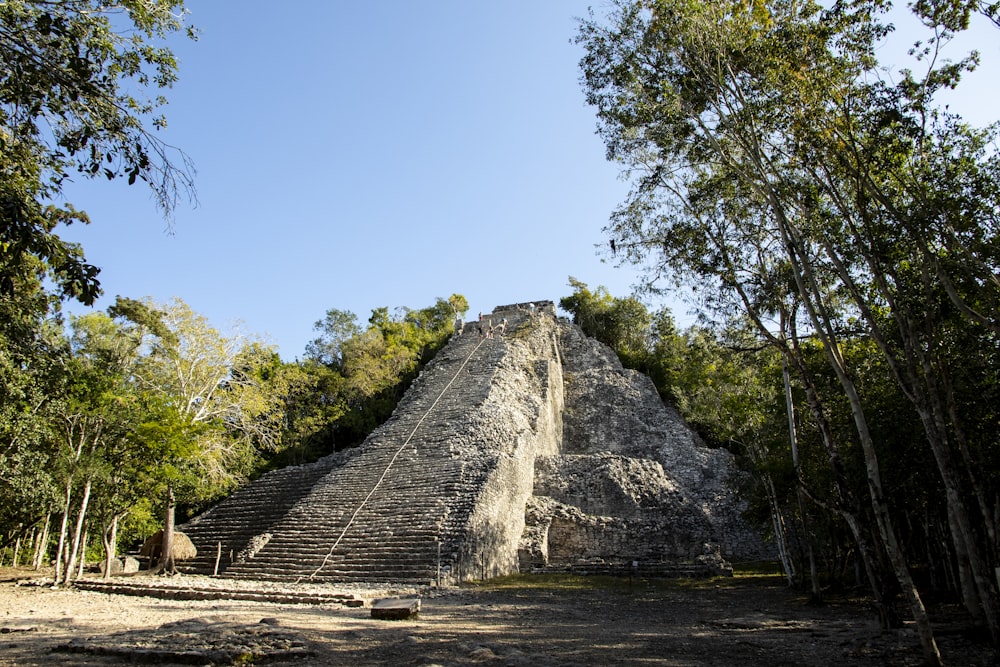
(183, 549)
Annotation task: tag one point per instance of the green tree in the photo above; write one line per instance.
(313, 404)
(459, 305)
(352, 378)
(767, 153)
(211, 412)
(78, 96)
(92, 422)
(589, 309)
(33, 363)
(623, 324)
(335, 328)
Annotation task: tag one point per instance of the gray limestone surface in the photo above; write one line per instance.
(530, 450)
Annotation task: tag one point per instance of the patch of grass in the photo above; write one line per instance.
(765, 568)
(762, 574)
(744, 574)
(551, 582)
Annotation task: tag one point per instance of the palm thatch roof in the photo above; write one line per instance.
(183, 548)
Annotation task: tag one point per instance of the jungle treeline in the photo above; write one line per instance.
(114, 420)
(795, 168)
(833, 222)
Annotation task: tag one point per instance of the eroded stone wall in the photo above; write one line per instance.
(633, 482)
(533, 449)
(520, 420)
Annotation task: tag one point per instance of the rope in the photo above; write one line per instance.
(393, 460)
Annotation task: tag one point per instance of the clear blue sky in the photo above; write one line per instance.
(355, 155)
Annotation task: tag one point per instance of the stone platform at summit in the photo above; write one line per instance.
(533, 450)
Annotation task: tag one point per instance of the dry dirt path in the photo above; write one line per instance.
(747, 623)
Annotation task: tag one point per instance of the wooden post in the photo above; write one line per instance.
(218, 555)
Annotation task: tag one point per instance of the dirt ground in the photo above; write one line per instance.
(745, 622)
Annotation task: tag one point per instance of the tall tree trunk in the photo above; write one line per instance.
(916, 373)
(63, 529)
(817, 593)
(167, 565)
(42, 545)
(972, 473)
(83, 552)
(78, 532)
(109, 538)
(977, 582)
(846, 505)
(780, 536)
(31, 543)
(812, 300)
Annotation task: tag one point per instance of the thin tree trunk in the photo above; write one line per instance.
(780, 537)
(78, 532)
(916, 374)
(83, 552)
(65, 558)
(970, 470)
(806, 286)
(847, 506)
(31, 543)
(758, 457)
(817, 593)
(109, 538)
(63, 528)
(167, 565)
(41, 547)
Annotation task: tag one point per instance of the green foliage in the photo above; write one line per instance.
(33, 368)
(136, 401)
(72, 102)
(77, 98)
(459, 304)
(336, 327)
(620, 323)
(846, 221)
(352, 379)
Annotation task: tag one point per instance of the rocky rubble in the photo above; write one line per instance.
(632, 482)
(534, 448)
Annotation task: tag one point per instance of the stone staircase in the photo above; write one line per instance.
(225, 529)
(531, 451)
(396, 509)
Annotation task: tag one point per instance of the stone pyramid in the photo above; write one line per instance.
(529, 450)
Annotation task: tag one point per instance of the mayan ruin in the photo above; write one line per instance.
(534, 450)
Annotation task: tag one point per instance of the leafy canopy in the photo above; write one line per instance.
(78, 96)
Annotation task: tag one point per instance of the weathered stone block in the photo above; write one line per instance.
(396, 608)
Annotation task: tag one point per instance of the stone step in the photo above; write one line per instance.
(394, 506)
(218, 592)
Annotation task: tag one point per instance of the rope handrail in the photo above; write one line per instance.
(399, 450)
